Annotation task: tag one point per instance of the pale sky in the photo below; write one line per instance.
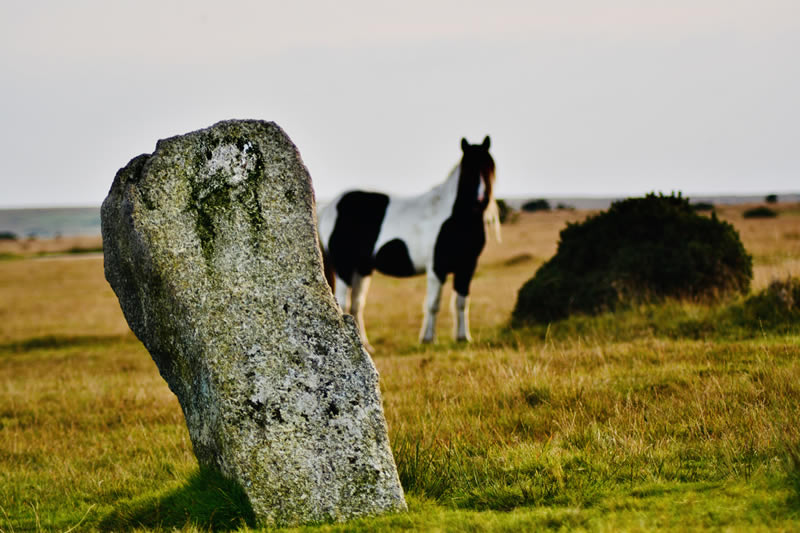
(581, 98)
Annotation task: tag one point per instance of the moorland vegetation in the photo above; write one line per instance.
(677, 414)
(641, 249)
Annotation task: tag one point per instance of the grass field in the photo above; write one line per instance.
(612, 423)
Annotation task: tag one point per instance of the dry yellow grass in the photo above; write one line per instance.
(68, 295)
(773, 242)
(63, 296)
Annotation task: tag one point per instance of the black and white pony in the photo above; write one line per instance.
(440, 232)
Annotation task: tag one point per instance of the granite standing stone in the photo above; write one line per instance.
(211, 247)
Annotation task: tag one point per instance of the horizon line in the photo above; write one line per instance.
(588, 196)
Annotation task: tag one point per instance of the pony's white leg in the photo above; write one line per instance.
(358, 298)
(342, 289)
(461, 312)
(431, 308)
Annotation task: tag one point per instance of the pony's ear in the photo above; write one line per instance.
(464, 144)
(486, 143)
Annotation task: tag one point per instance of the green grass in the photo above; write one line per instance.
(588, 432)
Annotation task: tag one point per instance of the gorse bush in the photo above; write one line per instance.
(640, 249)
(776, 308)
(703, 206)
(536, 205)
(760, 212)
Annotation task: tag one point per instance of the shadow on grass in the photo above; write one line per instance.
(90, 250)
(207, 501)
(55, 342)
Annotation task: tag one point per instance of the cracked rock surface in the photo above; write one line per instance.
(211, 246)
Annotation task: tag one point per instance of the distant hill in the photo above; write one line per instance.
(48, 223)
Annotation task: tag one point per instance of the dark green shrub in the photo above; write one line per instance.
(775, 307)
(536, 205)
(82, 250)
(703, 206)
(760, 212)
(771, 199)
(7, 236)
(640, 249)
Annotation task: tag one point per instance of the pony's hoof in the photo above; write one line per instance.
(463, 339)
(426, 341)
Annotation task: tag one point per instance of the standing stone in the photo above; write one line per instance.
(211, 247)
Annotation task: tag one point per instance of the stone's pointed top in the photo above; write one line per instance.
(211, 247)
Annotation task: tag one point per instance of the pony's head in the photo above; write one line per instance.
(475, 195)
(476, 179)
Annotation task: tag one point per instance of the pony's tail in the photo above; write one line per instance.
(491, 218)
